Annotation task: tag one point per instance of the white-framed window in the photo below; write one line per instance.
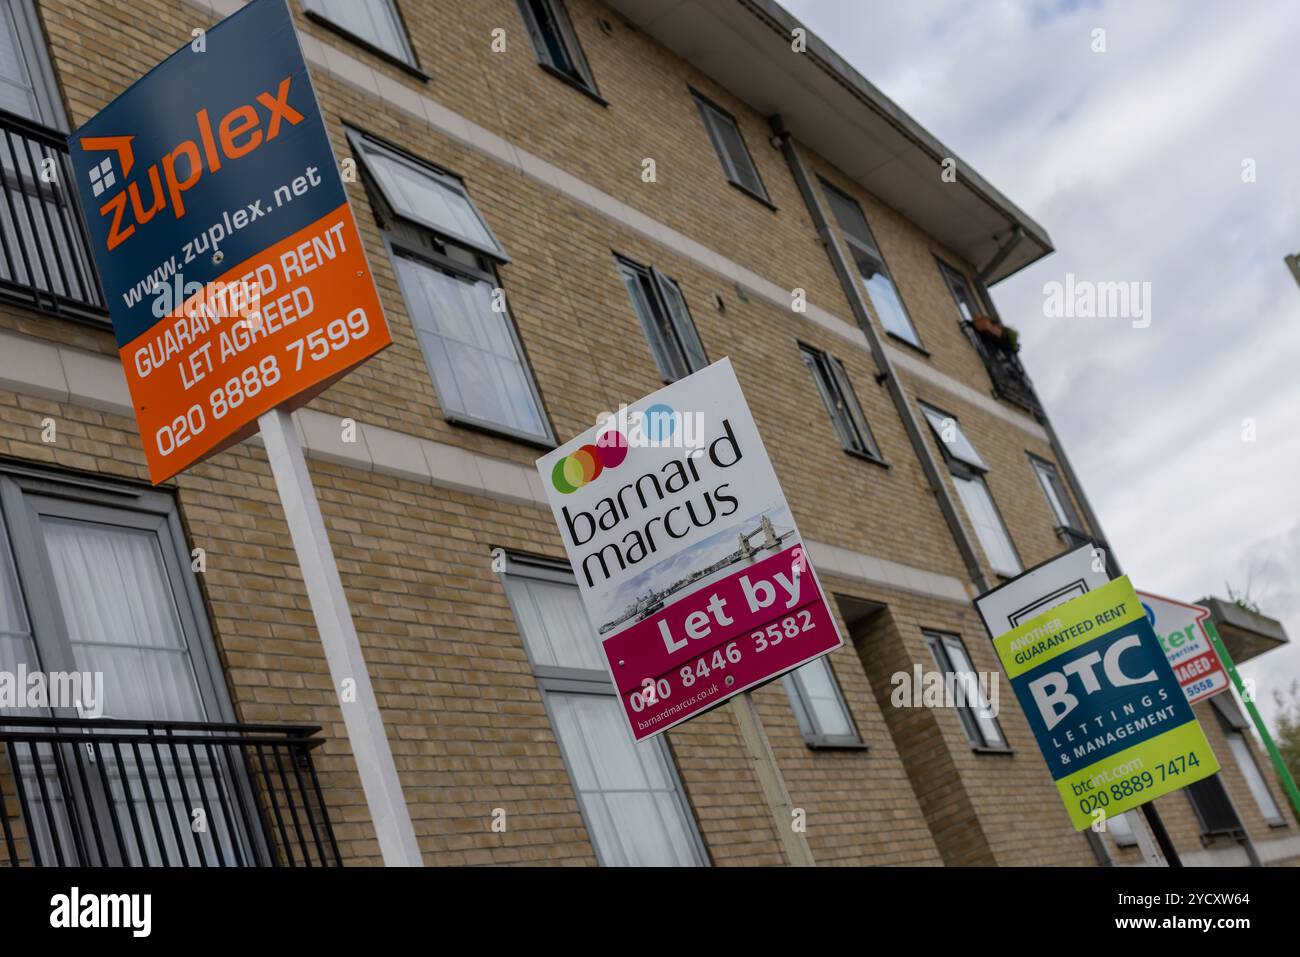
(374, 23)
(989, 527)
(668, 326)
(866, 254)
(1058, 499)
(555, 41)
(95, 577)
(968, 304)
(630, 794)
(1259, 788)
(980, 724)
(1121, 829)
(952, 438)
(730, 146)
(27, 85)
(841, 402)
(819, 706)
(967, 468)
(446, 258)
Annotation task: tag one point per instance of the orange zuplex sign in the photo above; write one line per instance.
(230, 259)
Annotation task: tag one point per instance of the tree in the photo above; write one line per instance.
(1288, 727)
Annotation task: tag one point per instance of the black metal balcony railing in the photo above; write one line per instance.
(96, 793)
(45, 257)
(1010, 380)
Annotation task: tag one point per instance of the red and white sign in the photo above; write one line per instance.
(1187, 645)
(688, 560)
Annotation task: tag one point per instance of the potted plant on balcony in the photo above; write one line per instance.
(990, 327)
(1011, 339)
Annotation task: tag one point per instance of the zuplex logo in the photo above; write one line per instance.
(632, 520)
(236, 135)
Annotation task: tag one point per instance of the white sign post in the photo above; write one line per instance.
(338, 636)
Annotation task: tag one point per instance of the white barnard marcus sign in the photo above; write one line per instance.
(686, 555)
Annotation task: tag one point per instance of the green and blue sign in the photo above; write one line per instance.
(1104, 704)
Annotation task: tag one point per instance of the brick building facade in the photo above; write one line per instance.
(651, 184)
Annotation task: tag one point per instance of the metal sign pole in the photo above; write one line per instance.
(759, 749)
(1279, 765)
(1161, 835)
(1150, 853)
(338, 636)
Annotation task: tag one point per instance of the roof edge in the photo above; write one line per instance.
(783, 22)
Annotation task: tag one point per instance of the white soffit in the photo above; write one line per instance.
(744, 45)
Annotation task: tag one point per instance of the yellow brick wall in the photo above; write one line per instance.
(463, 711)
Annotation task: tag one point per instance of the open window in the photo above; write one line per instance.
(668, 326)
(866, 254)
(967, 468)
(556, 43)
(977, 719)
(732, 152)
(446, 260)
(841, 403)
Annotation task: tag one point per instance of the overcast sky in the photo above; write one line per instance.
(1132, 159)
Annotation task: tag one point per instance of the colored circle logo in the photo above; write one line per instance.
(578, 468)
(660, 422)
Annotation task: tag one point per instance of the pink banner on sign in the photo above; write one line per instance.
(744, 629)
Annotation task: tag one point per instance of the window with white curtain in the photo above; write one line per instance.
(1121, 829)
(376, 23)
(630, 795)
(1058, 499)
(967, 469)
(106, 589)
(819, 706)
(17, 646)
(96, 578)
(27, 84)
(119, 609)
(446, 258)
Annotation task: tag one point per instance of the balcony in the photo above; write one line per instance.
(45, 261)
(116, 793)
(1010, 380)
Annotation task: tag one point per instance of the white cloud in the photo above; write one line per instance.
(1132, 160)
